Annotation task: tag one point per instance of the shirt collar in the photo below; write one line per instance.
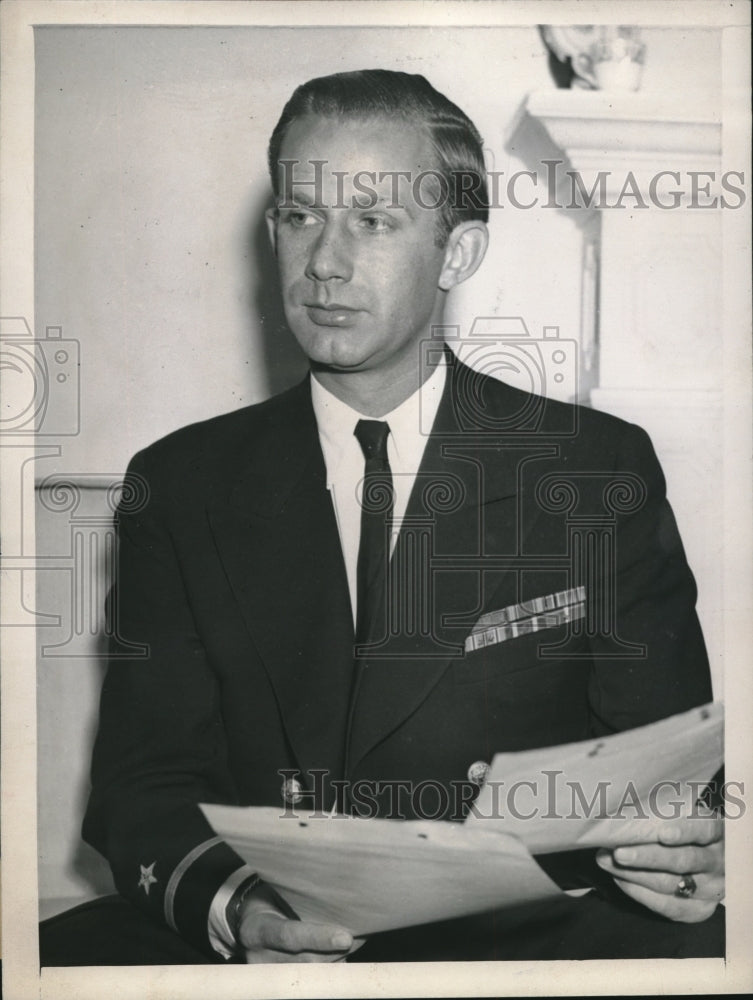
(409, 422)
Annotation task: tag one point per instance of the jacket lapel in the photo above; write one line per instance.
(465, 506)
(278, 540)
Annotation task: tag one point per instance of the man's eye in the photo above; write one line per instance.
(375, 223)
(299, 219)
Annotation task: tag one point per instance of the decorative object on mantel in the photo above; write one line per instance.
(599, 57)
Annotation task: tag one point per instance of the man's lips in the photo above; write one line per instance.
(331, 314)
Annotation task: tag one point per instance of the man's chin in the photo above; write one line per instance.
(342, 356)
(338, 366)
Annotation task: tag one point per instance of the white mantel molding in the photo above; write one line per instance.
(658, 286)
(618, 133)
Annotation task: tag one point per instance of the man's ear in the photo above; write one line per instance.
(466, 248)
(271, 216)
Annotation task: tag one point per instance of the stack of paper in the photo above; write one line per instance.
(603, 792)
(374, 875)
(378, 874)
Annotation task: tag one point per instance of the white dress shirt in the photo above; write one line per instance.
(410, 425)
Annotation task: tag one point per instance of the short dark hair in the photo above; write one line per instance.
(369, 93)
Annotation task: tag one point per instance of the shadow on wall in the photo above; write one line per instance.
(70, 667)
(85, 862)
(283, 362)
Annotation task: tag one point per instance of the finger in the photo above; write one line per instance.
(688, 911)
(298, 936)
(692, 830)
(709, 887)
(678, 860)
(321, 956)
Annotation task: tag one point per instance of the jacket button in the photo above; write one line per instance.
(477, 772)
(292, 791)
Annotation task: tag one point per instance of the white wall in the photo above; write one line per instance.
(151, 185)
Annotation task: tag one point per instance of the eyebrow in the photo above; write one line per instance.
(305, 200)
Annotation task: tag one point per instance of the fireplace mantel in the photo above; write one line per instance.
(592, 131)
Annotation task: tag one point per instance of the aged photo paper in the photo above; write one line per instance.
(139, 294)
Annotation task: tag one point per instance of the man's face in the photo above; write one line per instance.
(359, 284)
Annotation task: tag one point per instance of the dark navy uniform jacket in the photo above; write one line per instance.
(233, 595)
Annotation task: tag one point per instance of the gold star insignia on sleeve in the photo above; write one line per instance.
(147, 877)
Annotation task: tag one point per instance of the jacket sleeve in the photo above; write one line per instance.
(649, 659)
(648, 654)
(160, 747)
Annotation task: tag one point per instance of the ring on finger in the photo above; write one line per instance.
(686, 887)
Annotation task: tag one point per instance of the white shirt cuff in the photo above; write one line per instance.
(220, 935)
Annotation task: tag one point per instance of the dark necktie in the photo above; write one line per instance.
(377, 502)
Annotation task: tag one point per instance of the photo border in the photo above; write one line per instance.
(18, 816)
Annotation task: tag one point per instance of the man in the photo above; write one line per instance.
(310, 577)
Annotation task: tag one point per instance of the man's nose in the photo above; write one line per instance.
(330, 256)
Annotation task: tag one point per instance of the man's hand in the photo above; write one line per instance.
(651, 873)
(268, 934)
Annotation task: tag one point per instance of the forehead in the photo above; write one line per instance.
(349, 146)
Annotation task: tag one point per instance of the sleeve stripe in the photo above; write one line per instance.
(178, 873)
